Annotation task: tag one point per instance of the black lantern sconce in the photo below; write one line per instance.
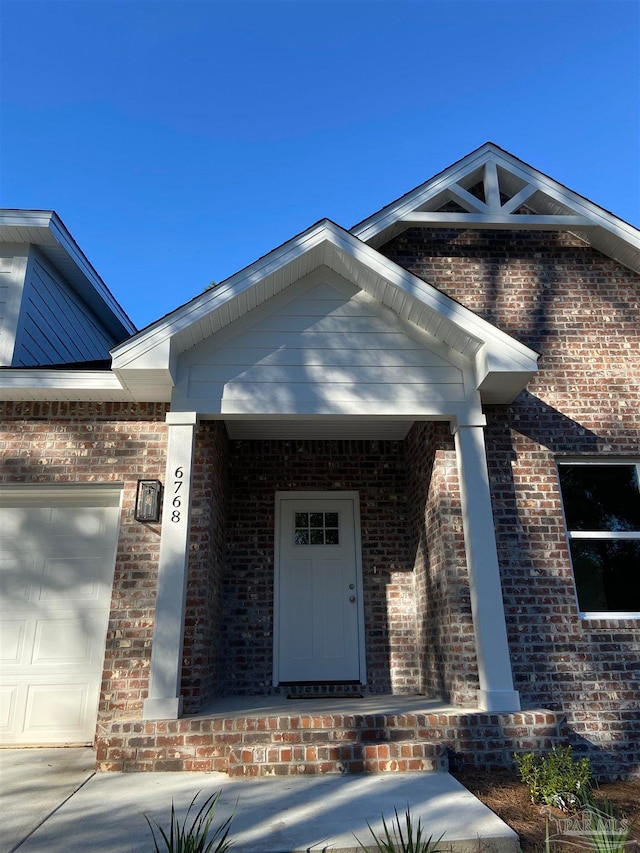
(148, 500)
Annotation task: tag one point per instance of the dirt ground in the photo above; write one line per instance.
(508, 797)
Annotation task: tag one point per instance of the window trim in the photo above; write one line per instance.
(597, 534)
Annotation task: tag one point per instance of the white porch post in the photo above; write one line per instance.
(165, 701)
(494, 666)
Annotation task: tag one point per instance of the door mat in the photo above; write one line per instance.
(325, 696)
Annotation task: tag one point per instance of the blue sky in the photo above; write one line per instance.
(181, 140)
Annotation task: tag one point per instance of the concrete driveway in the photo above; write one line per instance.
(34, 783)
(52, 802)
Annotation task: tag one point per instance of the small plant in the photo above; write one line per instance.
(199, 836)
(595, 828)
(607, 833)
(399, 840)
(556, 779)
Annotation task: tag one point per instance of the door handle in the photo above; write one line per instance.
(352, 598)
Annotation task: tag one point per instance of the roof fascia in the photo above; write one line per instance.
(141, 344)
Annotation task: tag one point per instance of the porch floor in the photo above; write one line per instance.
(371, 703)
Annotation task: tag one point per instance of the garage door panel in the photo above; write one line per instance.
(24, 523)
(57, 711)
(77, 578)
(56, 575)
(20, 579)
(90, 524)
(67, 641)
(12, 640)
(8, 705)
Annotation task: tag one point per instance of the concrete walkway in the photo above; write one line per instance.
(105, 814)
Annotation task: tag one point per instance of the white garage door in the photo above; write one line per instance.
(57, 556)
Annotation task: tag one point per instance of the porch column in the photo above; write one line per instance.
(165, 701)
(494, 666)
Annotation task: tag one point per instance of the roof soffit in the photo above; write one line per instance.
(492, 189)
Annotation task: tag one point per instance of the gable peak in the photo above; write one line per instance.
(492, 189)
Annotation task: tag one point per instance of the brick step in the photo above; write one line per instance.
(336, 758)
(204, 743)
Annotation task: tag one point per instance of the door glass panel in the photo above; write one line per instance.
(316, 528)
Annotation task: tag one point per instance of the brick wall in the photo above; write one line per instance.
(54, 443)
(376, 470)
(581, 311)
(445, 628)
(204, 605)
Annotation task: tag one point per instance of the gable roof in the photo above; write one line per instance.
(45, 229)
(491, 188)
(148, 360)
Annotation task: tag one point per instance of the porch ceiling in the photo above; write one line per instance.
(330, 428)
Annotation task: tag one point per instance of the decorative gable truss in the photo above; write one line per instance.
(492, 189)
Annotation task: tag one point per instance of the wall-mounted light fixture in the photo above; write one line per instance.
(148, 500)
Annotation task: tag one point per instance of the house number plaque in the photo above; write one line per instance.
(176, 503)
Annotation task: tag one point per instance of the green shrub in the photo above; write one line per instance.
(556, 779)
(198, 836)
(397, 840)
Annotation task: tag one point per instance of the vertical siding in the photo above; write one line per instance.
(56, 326)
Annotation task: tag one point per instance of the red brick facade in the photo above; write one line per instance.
(578, 308)
(205, 607)
(447, 654)
(581, 311)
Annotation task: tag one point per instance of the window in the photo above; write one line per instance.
(316, 528)
(602, 514)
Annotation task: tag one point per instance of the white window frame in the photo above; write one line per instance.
(597, 534)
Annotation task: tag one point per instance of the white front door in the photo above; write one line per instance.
(318, 591)
(57, 555)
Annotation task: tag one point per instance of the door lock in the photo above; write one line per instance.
(352, 586)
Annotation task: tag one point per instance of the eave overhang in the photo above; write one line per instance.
(502, 365)
(45, 229)
(26, 384)
(492, 189)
